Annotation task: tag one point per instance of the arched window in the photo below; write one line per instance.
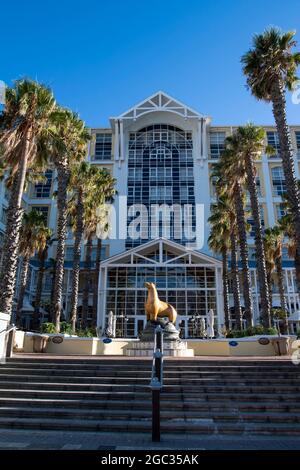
(160, 171)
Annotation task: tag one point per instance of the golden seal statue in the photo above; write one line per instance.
(157, 308)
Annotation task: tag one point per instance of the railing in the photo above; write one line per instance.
(9, 340)
(156, 383)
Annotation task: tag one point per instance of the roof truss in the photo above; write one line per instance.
(178, 255)
(160, 101)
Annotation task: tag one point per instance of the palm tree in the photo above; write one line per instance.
(42, 255)
(219, 242)
(235, 278)
(224, 212)
(233, 171)
(248, 143)
(270, 67)
(23, 122)
(68, 146)
(85, 182)
(270, 261)
(33, 238)
(288, 228)
(102, 230)
(96, 215)
(273, 249)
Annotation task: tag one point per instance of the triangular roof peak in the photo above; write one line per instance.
(161, 243)
(160, 101)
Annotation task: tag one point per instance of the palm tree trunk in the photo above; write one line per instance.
(12, 233)
(235, 282)
(76, 259)
(39, 289)
(240, 216)
(86, 288)
(297, 268)
(259, 243)
(283, 302)
(97, 274)
(22, 289)
(52, 310)
(63, 175)
(225, 288)
(270, 290)
(286, 153)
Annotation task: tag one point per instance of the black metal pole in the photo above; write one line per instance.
(156, 415)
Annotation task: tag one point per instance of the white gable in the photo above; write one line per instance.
(160, 101)
(154, 252)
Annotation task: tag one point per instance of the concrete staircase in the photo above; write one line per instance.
(203, 397)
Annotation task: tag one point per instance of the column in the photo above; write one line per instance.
(116, 146)
(122, 155)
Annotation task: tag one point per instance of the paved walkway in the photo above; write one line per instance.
(58, 440)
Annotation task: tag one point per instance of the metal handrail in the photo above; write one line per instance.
(7, 330)
(156, 383)
(9, 344)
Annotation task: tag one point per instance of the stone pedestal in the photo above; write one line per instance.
(171, 349)
(169, 329)
(173, 346)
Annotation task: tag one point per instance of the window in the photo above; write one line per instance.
(7, 193)
(69, 253)
(164, 156)
(43, 210)
(297, 135)
(44, 189)
(103, 147)
(161, 153)
(186, 174)
(273, 140)
(186, 192)
(251, 221)
(278, 182)
(134, 174)
(94, 253)
(160, 193)
(280, 211)
(217, 140)
(285, 253)
(160, 174)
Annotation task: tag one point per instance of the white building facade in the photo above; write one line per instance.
(162, 152)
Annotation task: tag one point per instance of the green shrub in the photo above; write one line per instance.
(251, 331)
(48, 328)
(66, 328)
(86, 333)
(271, 331)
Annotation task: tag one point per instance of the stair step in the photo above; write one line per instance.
(129, 412)
(137, 403)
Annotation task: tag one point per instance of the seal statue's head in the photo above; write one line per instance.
(149, 285)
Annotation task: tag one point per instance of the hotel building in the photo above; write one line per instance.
(161, 152)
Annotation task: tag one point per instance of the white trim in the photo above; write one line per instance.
(161, 101)
(205, 259)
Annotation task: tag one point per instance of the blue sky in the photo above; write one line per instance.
(101, 58)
